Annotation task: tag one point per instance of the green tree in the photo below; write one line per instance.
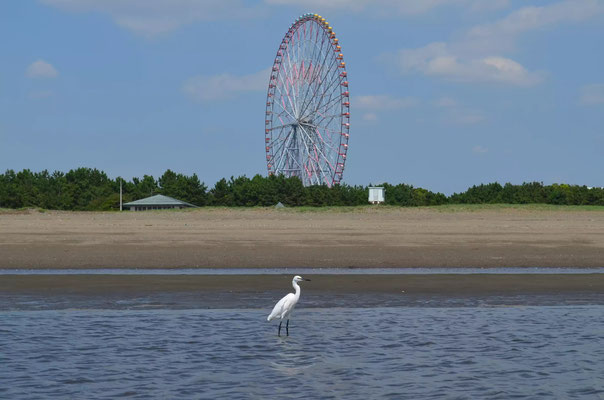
(182, 187)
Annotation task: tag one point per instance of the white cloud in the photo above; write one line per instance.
(225, 86)
(456, 113)
(467, 117)
(153, 17)
(383, 102)
(592, 94)
(370, 117)
(478, 54)
(478, 149)
(445, 102)
(373, 104)
(530, 18)
(489, 5)
(501, 34)
(390, 7)
(436, 59)
(41, 69)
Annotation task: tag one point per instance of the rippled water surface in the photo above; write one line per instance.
(533, 352)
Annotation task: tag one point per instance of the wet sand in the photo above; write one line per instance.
(447, 284)
(364, 237)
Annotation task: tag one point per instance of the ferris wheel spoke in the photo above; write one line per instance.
(276, 142)
(308, 86)
(313, 44)
(328, 136)
(309, 164)
(324, 58)
(331, 102)
(283, 97)
(306, 157)
(278, 127)
(282, 136)
(326, 53)
(325, 142)
(313, 58)
(316, 164)
(318, 86)
(291, 58)
(285, 110)
(293, 153)
(315, 168)
(280, 165)
(278, 137)
(326, 123)
(289, 80)
(330, 87)
(334, 131)
(283, 115)
(331, 75)
(275, 157)
(316, 101)
(330, 116)
(300, 62)
(282, 145)
(320, 150)
(333, 87)
(322, 118)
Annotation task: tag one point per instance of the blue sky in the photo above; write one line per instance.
(444, 93)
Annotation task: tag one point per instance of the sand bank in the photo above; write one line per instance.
(446, 284)
(367, 237)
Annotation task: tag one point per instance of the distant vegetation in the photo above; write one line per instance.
(91, 189)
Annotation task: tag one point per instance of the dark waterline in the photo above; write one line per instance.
(524, 352)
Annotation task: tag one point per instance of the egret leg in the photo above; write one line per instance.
(279, 331)
(287, 327)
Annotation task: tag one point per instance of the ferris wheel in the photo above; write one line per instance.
(307, 122)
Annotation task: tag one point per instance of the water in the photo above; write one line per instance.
(465, 352)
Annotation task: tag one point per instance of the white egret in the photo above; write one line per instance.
(286, 305)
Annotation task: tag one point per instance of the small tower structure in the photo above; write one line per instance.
(377, 195)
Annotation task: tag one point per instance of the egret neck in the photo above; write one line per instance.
(297, 290)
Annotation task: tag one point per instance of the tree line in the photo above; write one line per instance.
(90, 189)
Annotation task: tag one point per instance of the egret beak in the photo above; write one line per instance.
(307, 279)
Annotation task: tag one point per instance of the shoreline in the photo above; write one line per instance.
(260, 292)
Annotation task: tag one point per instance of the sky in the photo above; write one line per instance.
(445, 94)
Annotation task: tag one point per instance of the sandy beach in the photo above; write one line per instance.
(363, 237)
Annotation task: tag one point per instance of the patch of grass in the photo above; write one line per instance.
(369, 208)
(22, 210)
(329, 209)
(446, 208)
(301, 209)
(524, 207)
